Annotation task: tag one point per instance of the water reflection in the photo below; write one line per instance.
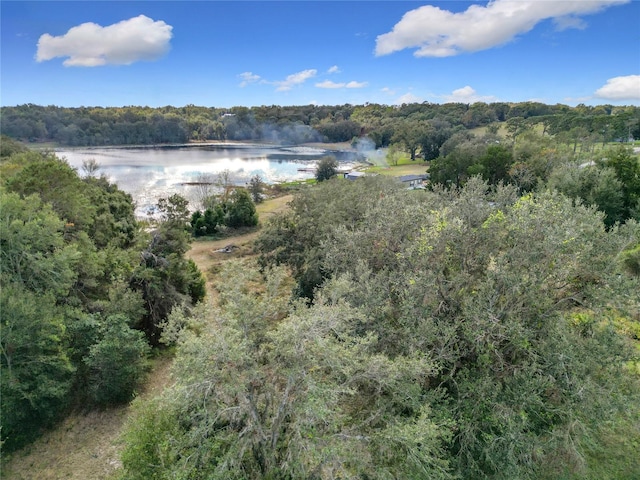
(150, 173)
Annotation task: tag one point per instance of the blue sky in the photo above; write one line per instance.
(224, 54)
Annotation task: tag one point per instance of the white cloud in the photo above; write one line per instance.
(334, 69)
(123, 43)
(567, 22)
(621, 88)
(467, 95)
(408, 98)
(295, 79)
(330, 84)
(441, 33)
(248, 78)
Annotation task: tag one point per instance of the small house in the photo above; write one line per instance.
(413, 181)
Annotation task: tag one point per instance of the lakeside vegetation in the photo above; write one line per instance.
(423, 126)
(487, 327)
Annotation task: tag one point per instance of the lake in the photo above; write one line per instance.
(150, 173)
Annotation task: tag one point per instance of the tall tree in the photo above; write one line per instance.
(57, 184)
(598, 187)
(626, 166)
(36, 374)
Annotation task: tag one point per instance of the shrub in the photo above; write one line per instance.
(116, 363)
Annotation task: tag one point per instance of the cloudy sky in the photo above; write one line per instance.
(223, 54)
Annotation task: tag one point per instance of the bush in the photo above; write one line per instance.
(207, 223)
(241, 211)
(116, 363)
(148, 446)
(327, 168)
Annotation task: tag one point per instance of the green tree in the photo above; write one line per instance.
(494, 165)
(493, 309)
(174, 211)
(240, 210)
(627, 169)
(164, 277)
(593, 186)
(393, 155)
(207, 223)
(36, 374)
(409, 134)
(116, 363)
(296, 238)
(300, 397)
(9, 146)
(326, 169)
(65, 259)
(32, 247)
(114, 221)
(452, 170)
(433, 134)
(516, 126)
(256, 188)
(57, 184)
(493, 287)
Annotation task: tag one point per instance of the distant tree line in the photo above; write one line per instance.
(383, 124)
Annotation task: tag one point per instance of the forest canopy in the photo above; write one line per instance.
(453, 333)
(84, 290)
(425, 124)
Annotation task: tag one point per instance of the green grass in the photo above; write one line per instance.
(273, 205)
(405, 167)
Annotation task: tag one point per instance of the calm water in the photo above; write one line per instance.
(150, 173)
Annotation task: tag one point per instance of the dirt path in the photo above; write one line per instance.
(204, 253)
(87, 445)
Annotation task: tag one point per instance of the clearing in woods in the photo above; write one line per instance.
(205, 252)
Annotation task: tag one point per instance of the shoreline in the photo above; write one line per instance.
(337, 147)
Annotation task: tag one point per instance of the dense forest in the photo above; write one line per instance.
(407, 123)
(454, 333)
(486, 327)
(85, 289)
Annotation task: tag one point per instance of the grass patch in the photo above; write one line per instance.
(413, 168)
(273, 205)
(292, 186)
(86, 445)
